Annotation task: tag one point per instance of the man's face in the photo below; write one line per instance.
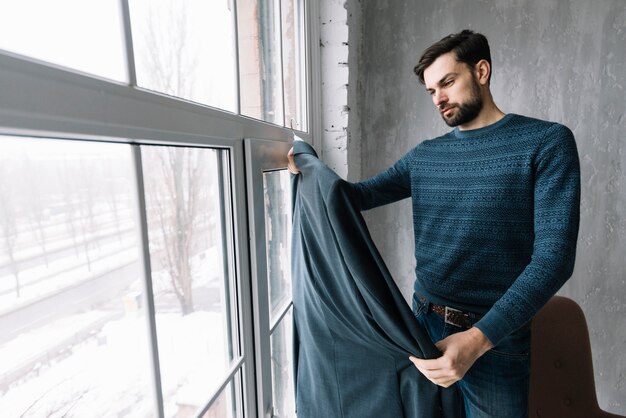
(454, 89)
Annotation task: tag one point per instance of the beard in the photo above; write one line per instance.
(466, 112)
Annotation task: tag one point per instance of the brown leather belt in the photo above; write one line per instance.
(452, 316)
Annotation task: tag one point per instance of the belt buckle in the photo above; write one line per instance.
(452, 310)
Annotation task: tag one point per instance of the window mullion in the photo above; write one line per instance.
(145, 262)
(230, 285)
(128, 40)
(314, 75)
(237, 64)
(282, 65)
(242, 272)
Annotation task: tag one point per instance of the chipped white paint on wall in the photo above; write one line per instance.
(334, 73)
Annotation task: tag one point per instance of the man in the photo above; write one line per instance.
(495, 215)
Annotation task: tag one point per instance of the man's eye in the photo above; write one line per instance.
(448, 83)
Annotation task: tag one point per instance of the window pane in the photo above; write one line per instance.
(294, 53)
(282, 368)
(277, 192)
(85, 35)
(73, 332)
(260, 60)
(225, 406)
(187, 204)
(186, 48)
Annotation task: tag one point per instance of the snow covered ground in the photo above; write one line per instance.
(98, 363)
(109, 373)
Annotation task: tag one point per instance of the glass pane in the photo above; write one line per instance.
(225, 406)
(260, 60)
(186, 203)
(85, 35)
(277, 192)
(186, 48)
(73, 332)
(282, 368)
(294, 53)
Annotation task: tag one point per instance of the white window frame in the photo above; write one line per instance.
(39, 99)
(260, 157)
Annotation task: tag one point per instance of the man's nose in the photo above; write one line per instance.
(439, 99)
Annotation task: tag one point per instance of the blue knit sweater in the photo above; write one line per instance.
(495, 217)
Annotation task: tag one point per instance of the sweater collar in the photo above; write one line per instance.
(479, 131)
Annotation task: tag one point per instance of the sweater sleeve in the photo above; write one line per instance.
(556, 219)
(387, 187)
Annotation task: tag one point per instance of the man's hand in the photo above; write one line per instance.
(460, 351)
(291, 164)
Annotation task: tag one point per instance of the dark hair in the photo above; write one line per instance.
(469, 47)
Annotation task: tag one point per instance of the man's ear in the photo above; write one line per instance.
(482, 70)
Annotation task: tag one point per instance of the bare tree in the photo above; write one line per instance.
(175, 177)
(113, 194)
(170, 69)
(33, 188)
(8, 217)
(69, 199)
(86, 188)
(174, 192)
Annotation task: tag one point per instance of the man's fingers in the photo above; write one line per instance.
(446, 383)
(435, 375)
(430, 364)
(291, 165)
(434, 371)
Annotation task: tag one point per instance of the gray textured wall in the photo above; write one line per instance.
(558, 60)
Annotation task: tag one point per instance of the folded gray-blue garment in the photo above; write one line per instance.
(353, 330)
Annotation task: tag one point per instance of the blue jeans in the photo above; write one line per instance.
(497, 384)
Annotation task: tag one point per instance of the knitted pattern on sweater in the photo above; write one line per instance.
(495, 217)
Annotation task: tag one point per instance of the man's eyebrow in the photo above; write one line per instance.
(440, 82)
(446, 76)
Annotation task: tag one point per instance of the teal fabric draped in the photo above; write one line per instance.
(353, 330)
